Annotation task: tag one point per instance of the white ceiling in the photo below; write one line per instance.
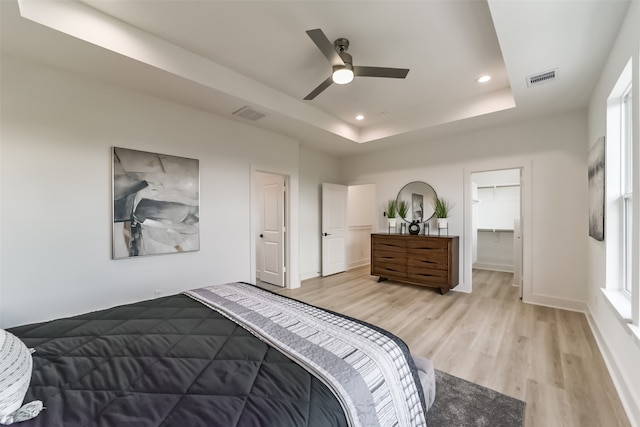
(219, 56)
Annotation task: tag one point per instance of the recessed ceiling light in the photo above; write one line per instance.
(359, 117)
(484, 79)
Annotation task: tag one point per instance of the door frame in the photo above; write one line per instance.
(255, 224)
(526, 217)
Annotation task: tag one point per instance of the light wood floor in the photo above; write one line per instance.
(544, 356)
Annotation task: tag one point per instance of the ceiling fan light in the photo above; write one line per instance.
(342, 76)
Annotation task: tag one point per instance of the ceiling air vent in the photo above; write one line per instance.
(249, 113)
(542, 78)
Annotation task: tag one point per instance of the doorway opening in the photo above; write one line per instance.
(496, 234)
(498, 238)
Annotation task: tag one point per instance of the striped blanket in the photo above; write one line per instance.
(369, 370)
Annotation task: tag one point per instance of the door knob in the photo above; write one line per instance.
(261, 236)
(326, 234)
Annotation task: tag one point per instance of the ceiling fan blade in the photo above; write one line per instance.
(395, 73)
(325, 84)
(325, 46)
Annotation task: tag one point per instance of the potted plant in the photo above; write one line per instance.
(403, 209)
(442, 207)
(392, 210)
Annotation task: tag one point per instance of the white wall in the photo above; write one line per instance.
(495, 251)
(361, 219)
(498, 207)
(57, 133)
(361, 205)
(499, 195)
(554, 146)
(315, 168)
(621, 350)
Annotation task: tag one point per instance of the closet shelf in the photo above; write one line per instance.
(498, 186)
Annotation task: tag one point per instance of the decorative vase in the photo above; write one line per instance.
(442, 223)
(392, 222)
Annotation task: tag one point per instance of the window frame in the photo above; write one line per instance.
(626, 190)
(620, 275)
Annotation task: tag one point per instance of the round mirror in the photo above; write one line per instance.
(418, 197)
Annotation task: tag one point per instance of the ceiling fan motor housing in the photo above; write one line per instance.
(347, 59)
(341, 45)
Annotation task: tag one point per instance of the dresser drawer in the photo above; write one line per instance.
(389, 269)
(388, 243)
(428, 243)
(434, 256)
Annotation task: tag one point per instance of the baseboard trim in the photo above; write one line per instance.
(631, 407)
(493, 267)
(313, 274)
(554, 302)
(359, 263)
(309, 275)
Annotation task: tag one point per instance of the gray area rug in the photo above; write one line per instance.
(461, 403)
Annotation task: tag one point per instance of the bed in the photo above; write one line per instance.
(224, 355)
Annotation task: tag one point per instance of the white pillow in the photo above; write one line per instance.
(15, 374)
(427, 377)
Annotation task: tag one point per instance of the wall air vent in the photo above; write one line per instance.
(249, 113)
(542, 78)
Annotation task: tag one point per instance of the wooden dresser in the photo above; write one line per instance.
(420, 260)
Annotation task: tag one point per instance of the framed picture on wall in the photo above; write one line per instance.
(417, 206)
(596, 168)
(156, 201)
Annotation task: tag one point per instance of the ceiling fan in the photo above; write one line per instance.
(343, 68)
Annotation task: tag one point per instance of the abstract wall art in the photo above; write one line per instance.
(596, 168)
(156, 200)
(417, 207)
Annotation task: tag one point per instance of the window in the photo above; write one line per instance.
(620, 228)
(626, 191)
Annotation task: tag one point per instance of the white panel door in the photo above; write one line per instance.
(334, 228)
(272, 230)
